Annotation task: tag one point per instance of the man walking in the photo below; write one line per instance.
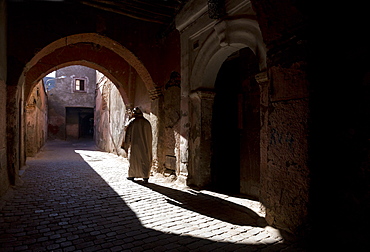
(138, 145)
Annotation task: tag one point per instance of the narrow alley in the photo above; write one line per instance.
(73, 197)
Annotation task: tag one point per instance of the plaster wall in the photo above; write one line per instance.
(172, 118)
(36, 120)
(110, 116)
(141, 95)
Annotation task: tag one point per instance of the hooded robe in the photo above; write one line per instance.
(139, 141)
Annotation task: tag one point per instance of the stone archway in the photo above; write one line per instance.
(87, 49)
(91, 50)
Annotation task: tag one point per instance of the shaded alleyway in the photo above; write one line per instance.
(76, 198)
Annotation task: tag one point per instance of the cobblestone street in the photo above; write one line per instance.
(76, 198)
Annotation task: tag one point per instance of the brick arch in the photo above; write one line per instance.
(91, 50)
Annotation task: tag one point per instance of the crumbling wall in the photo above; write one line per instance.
(110, 116)
(36, 120)
(285, 182)
(172, 116)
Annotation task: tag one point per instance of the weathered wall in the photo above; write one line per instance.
(62, 95)
(36, 120)
(4, 182)
(285, 175)
(172, 117)
(141, 96)
(110, 116)
(285, 182)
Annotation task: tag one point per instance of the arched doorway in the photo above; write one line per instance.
(199, 77)
(235, 166)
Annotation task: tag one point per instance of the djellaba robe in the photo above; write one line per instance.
(139, 141)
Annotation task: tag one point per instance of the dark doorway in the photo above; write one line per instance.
(79, 122)
(236, 126)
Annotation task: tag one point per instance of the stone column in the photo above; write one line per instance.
(184, 136)
(157, 122)
(285, 178)
(263, 81)
(201, 104)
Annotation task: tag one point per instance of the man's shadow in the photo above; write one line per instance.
(210, 206)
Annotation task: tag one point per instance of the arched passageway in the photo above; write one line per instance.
(121, 66)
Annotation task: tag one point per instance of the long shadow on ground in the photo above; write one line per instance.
(65, 205)
(210, 206)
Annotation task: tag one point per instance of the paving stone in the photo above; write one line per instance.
(53, 246)
(69, 249)
(80, 200)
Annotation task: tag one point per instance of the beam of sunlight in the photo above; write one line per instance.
(201, 214)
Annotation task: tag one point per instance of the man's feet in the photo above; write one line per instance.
(145, 180)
